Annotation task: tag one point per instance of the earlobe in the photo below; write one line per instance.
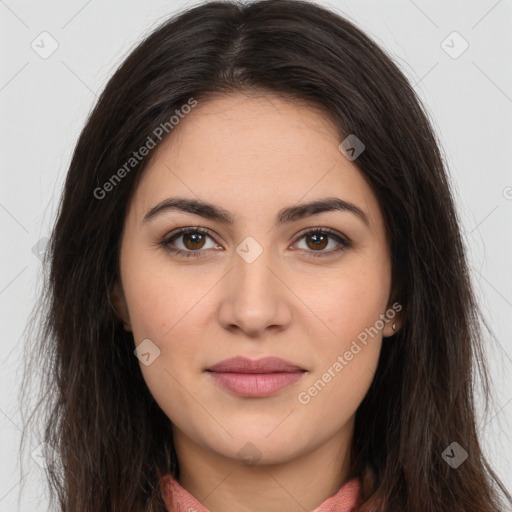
(391, 328)
(118, 302)
(394, 320)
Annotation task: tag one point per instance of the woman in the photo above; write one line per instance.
(258, 296)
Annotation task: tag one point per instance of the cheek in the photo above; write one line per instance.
(348, 341)
(164, 311)
(349, 301)
(346, 355)
(160, 301)
(174, 310)
(351, 349)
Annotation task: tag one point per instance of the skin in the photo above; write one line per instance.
(254, 155)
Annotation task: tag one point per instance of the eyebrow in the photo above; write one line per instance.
(284, 216)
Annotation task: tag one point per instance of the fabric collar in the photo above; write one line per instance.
(178, 499)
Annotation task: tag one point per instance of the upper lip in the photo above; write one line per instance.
(245, 365)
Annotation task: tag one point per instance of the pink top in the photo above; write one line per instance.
(175, 495)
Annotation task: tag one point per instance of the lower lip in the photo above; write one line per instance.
(256, 385)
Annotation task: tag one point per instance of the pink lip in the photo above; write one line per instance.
(260, 378)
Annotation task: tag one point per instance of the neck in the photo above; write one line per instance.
(299, 484)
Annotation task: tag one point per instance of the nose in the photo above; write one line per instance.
(254, 298)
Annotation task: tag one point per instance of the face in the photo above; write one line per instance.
(251, 282)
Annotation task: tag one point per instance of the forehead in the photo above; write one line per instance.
(253, 154)
(263, 125)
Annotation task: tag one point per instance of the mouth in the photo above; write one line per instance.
(255, 379)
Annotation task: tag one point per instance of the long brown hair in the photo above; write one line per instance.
(110, 435)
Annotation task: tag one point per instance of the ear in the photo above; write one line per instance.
(118, 301)
(394, 318)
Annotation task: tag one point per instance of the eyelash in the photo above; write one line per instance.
(344, 242)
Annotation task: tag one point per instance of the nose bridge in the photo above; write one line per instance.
(253, 281)
(254, 297)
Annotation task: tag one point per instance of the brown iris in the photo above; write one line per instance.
(197, 240)
(322, 243)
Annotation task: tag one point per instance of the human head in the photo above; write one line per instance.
(323, 60)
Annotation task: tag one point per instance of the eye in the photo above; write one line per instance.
(193, 242)
(317, 239)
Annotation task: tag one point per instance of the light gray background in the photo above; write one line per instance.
(45, 102)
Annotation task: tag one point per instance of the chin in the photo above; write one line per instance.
(260, 449)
